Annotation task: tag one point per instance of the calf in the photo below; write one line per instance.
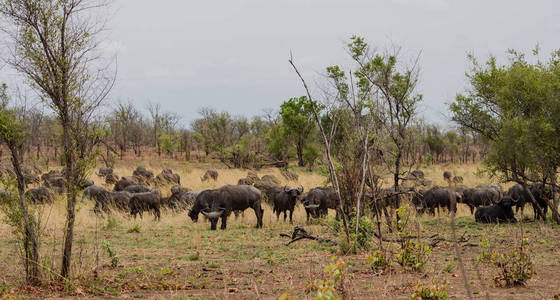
(142, 202)
(500, 212)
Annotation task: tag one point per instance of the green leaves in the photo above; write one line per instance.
(515, 106)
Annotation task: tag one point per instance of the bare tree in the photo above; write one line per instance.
(396, 86)
(53, 44)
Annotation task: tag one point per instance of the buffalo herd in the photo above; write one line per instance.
(140, 193)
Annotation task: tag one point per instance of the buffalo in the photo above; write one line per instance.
(126, 181)
(210, 174)
(166, 177)
(289, 175)
(92, 192)
(318, 200)
(437, 197)
(103, 172)
(111, 179)
(202, 202)
(57, 183)
(246, 181)
(137, 188)
(181, 198)
(285, 200)
(39, 195)
(499, 212)
(269, 180)
(142, 202)
(480, 197)
(220, 203)
(540, 193)
(143, 173)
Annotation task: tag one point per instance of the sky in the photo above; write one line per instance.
(233, 55)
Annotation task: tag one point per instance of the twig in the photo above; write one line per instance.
(300, 233)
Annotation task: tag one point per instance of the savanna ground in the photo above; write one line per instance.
(176, 258)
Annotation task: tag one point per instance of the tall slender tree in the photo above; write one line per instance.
(53, 45)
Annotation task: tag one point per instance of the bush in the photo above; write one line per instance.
(111, 253)
(435, 291)
(378, 260)
(327, 289)
(514, 268)
(365, 232)
(134, 229)
(311, 153)
(413, 256)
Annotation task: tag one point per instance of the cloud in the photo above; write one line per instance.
(426, 4)
(112, 47)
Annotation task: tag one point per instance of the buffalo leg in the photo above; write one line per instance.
(157, 214)
(291, 215)
(224, 221)
(285, 215)
(259, 214)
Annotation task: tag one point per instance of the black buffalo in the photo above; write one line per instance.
(499, 212)
(437, 197)
(143, 173)
(126, 181)
(203, 202)
(285, 200)
(220, 203)
(92, 192)
(137, 188)
(181, 198)
(480, 197)
(39, 195)
(142, 202)
(318, 200)
(167, 177)
(540, 193)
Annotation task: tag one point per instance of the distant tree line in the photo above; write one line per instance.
(271, 139)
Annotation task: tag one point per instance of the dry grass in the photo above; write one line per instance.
(178, 258)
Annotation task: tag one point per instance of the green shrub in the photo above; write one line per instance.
(112, 223)
(435, 291)
(327, 289)
(134, 229)
(378, 260)
(106, 245)
(514, 268)
(362, 240)
(413, 256)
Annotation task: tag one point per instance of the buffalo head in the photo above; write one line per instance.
(507, 202)
(213, 216)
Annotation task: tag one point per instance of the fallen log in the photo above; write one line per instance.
(300, 233)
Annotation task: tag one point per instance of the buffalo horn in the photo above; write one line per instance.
(311, 206)
(213, 215)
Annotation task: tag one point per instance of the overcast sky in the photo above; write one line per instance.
(232, 55)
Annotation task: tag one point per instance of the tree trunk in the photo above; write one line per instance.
(31, 244)
(70, 202)
(299, 148)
